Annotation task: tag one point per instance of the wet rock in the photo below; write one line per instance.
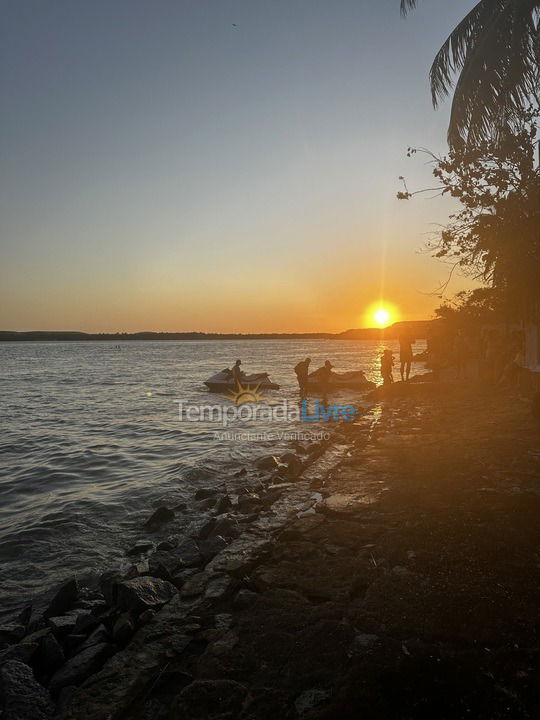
(220, 586)
(244, 599)
(72, 642)
(11, 633)
(310, 699)
(36, 637)
(107, 584)
(159, 517)
(249, 502)
(211, 547)
(195, 585)
(223, 621)
(188, 553)
(123, 629)
(162, 565)
(205, 493)
(168, 544)
(223, 504)
(64, 599)
(97, 637)
(143, 593)
(362, 643)
(145, 617)
(23, 653)
(295, 467)
(140, 568)
(81, 666)
(166, 565)
(50, 655)
(223, 526)
(64, 698)
(268, 462)
(207, 699)
(95, 606)
(85, 624)
(23, 697)
(140, 547)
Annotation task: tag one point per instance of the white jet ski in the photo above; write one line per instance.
(352, 380)
(222, 381)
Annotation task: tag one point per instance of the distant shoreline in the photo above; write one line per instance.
(419, 329)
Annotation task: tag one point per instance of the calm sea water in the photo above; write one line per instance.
(92, 439)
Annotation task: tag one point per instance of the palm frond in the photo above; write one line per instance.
(407, 5)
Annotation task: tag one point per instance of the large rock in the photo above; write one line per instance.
(268, 462)
(64, 599)
(225, 527)
(159, 517)
(62, 625)
(124, 628)
(205, 493)
(97, 637)
(51, 655)
(23, 697)
(143, 593)
(24, 652)
(81, 666)
(11, 633)
(166, 565)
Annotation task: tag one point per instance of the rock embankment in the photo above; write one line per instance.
(62, 642)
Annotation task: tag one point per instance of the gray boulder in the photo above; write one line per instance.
(268, 462)
(81, 666)
(159, 517)
(65, 598)
(123, 629)
(23, 697)
(143, 593)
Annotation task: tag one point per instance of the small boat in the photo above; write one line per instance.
(222, 381)
(353, 380)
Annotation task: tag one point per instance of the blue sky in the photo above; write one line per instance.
(163, 169)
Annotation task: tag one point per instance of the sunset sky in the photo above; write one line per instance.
(216, 165)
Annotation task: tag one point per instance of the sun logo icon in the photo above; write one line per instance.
(243, 395)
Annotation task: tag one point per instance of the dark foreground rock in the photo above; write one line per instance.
(144, 593)
(81, 666)
(22, 697)
(159, 517)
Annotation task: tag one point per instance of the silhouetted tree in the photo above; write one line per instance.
(495, 235)
(495, 54)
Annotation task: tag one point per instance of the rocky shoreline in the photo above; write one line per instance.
(63, 638)
(392, 572)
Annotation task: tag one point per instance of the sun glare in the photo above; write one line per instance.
(382, 317)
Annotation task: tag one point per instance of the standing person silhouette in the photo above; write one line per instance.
(302, 371)
(405, 353)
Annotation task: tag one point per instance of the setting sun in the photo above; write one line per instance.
(381, 314)
(382, 317)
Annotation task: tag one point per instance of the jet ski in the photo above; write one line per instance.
(352, 380)
(222, 381)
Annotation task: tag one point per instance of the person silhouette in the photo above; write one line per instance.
(302, 371)
(405, 353)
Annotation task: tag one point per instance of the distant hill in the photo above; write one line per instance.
(419, 330)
